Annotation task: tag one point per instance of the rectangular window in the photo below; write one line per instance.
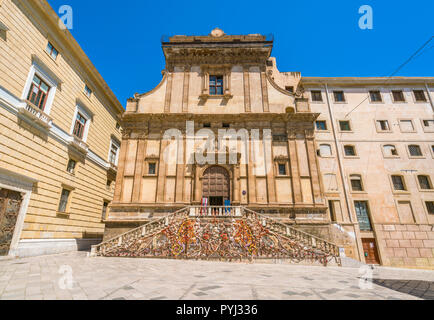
(104, 210)
(362, 213)
(383, 125)
(71, 166)
(38, 92)
(350, 151)
(430, 206)
(80, 124)
(406, 125)
(51, 51)
(415, 151)
(398, 96)
(113, 154)
(316, 96)
(375, 96)
(321, 125)
(398, 183)
(216, 85)
(282, 169)
(64, 200)
(87, 91)
(356, 183)
(226, 125)
(428, 123)
(424, 182)
(290, 89)
(332, 211)
(152, 168)
(339, 96)
(419, 95)
(344, 125)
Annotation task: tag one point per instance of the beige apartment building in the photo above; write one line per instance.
(350, 160)
(59, 136)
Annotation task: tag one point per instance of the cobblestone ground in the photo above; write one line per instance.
(131, 279)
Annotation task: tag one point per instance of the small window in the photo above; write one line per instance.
(80, 124)
(415, 150)
(104, 210)
(398, 96)
(71, 166)
(316, 96)
(362, 213)
(152, 168)
(52, 51)
(216, 85)
(344, 125)
(424, 182)
(430, 206)
(282, 169)
(109, 183)
(390, 151)
(350, 151)
(118, 125)
(64, 198)
(269, 63)
(339, 96)
(226, 125)
(87, 91)
(375, 96)
(356, 182)
(114, 150)
(290, 89)
(207, 125)
(332, 211)
(38, 93)
(398, 183)
(383, 125)
(419, 95)
(325, 150)
(321, 125)
(406, 125)
(428, 124)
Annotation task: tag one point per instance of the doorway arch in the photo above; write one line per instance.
(216, 185)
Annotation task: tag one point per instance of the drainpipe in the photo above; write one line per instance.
(429, 97)
(338, 156)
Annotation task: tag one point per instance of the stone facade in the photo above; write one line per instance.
(37, 142)
(221, 82)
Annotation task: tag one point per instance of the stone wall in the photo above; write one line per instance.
(407, 245)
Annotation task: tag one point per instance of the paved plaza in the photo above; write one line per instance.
(79, 277)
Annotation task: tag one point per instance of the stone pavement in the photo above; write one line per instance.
(76, 276)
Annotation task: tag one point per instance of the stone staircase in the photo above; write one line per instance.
(220, 233)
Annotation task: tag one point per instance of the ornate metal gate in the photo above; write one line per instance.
(10, 203)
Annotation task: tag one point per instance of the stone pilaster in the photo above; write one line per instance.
(180, 172)
(186, 88)
(247, 102)
(313, 166)
(161, 171)
(138, 173)
(168, 99)
(264, 88)
(295, 170)
(121, 166)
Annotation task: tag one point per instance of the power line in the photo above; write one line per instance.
(418, 53)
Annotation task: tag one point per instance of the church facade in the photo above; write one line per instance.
(225, 128)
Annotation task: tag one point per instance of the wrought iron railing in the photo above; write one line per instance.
(181, 226)
(302, 237)
(148, 229)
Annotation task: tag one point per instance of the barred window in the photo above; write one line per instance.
(339, 96)
(375, 96)
(419, 95)
(356, 182)
(415, 150)
(316, 96)
(424, 182)
(64, 200)
(398, 183)
(398, 96)
(430, 206)
(350, 151)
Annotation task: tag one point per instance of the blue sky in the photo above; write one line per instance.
(318, 38)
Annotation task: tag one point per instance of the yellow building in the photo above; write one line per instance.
(349, 160)
(59, 136)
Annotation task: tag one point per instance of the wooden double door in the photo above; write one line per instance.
(216, 185)
(10, 203)
(370, 251)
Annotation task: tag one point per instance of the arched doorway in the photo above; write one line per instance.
(216, 185)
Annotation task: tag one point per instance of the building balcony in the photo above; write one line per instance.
(36, 115)
(79, 145)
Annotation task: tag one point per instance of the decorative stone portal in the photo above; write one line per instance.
(216, 185)
(10, 203)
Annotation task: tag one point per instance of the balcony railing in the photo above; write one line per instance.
(35, 114)
(79, 144)
(215, 211)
